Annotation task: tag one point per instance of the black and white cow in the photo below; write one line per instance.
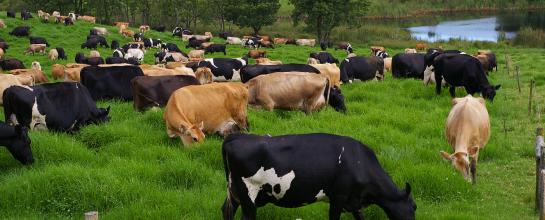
(178, 31)
(408, 65)
(163, 57)
(224, 69)
(80, 58)
(224, 35)
(119, 53)
(39, 40)
(250, 42)
(139, 37)
(61, 53)
(152, 43)
(20, 31)
(429, 57)
(62, 106)
(90, 44)
(324, 57)
(16, 139)
(170, 47)
(126, 47)
(11, 14)
(463, 70)
(362, 68)
(249, 72)
(100, 39)
(115, 44)
(109, 82)
(296, 170)
(215, 48)
(383, 54)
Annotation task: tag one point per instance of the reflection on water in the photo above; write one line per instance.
(484, 26)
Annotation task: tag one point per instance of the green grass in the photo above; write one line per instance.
(130, 169)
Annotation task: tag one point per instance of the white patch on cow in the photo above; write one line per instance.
(341, 155)
(26, 87)
(322, 197)
(242, 61)
(219, 78)
(304, 204)
(347, 60)
(38, 120)
(463, 53)
(76, 85)
(427, 74)
(211, 61)
(350, 81)
(262, 177)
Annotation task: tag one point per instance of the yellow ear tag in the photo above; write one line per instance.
(10, 124)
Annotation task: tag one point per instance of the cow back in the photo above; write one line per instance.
(249, 72)
(155, 91)
(109, 82)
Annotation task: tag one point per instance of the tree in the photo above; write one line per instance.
(252, 13)
(321, 16)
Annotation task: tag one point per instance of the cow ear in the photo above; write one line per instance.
(202, 125)
(108, 111)
(407, 190)
(497, 87)
(446, 156)
(473, 151)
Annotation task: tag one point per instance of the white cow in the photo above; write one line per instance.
(136, 53)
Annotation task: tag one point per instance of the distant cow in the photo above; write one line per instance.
(36, 48)
(61, 53)
(152, 43)
(155, 91)
(421, 46)
(89, 19)
(11, 14)
(101, 31)
(170, 47)
(324, 57)
(375, 48)
(2, 24)
(90, 44)
(215, 48)
(159, 28)
(100, 39)
(306, 42)
(114, 45)
(10, 64)
(225, 35)
(39, 40)
(257, 54)
(20, 31)
(296, 170)
(109, 82)
(143, 28)
(68, 21)
(194, 44)
(224, 69)
(342, 46)
(80, 58)
(233, 40)
(409, 50)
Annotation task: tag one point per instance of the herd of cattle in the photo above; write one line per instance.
(259, 169)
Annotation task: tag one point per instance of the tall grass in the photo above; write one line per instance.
(530, 37)
(130, 169)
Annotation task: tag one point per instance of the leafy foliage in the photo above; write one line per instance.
(252, 13)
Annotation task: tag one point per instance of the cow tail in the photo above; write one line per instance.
(328, 87)
(225, 165)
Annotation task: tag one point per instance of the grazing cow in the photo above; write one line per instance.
(467, 131)
(257, 54)
(11, 14)
(323, 46)
(224, 69)
(159, 28)
(324, 57)
(233, 40)
(215, 48)
(155, 91)
(8, 80)
(36, 65)
(251, 71)
(113, 60)
(119, 52)
(199, 37)
(152, 43)
(421, 46)
(38, 75)
(10, 64)
(406, 65)
(194, 44)
(57, 71)
(80, 58)
(33, 48)
(128, 33)
(39, 40)
(1, 53)
(68, 21)
(409, 50)
(265, 38)
(291, 41)
(115, 44)
(219, 108)
(109, 82)
(119, 24)
(492, 61)
(375, 48)
(179, 57)
(296, 170)
(362, 68)
(330, 44)
(463, 70)
(16, 139)
(163, 57)
(93, 32)
(330, 70)
(199, 54)
(306, 42)
(251, 43)
(20, 31)
(90, 44)
(122, 28)
(136, 53)
(47, 17)
(225, 35)
(94, 53)
(428, 61)
(40, 13)
(100, 39)
(139, 37)
(204, 75)
(279, 40)
(4, 46)
(266, 44)
(388, 64)
(204, 45)
(266, 61)
(2, 24)
(288, 91)
(101, 31)
(62, 55)
(25, 15)
(89, 19)
(382, 54)
(143, 28)
(62, 106)
(170, 47)
(342, 46)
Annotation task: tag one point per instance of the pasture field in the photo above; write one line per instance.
(130, 168)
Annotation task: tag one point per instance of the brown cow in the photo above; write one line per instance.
(38, 75)
(288, 91)
(421, 46)
(256, 54)
(122, 28)
(154, 91)
(7, 80)
(119, 24)
(211, 108)
(342, 46)
(76, 65)
(204, 75)
(89, 19)
(483, 52)
(266, 44)
(128, 33)
(265, 38)
(57, 71)
(173, 65)
(204, 45)
(330, 70)
(484, 60)
(199, 54)
(2, 24)
(72, 74)
(467, 131)
(280, 40)
(33, 48)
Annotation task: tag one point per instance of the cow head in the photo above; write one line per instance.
(460, 160)
(192, 133)
(489, 91)
(400, 205)
(204, 75)
(336, 99)
(19, 145)
(103, 115)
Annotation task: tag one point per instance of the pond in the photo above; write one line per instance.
(486, 26)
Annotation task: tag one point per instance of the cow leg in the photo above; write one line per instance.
(473, 168)
(358, 215)
(452, 91)
(336, 208)
(249, 212)
(229, 208)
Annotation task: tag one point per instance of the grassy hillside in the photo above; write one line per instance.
(130, 169)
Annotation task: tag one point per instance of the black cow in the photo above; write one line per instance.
(336, 98)
(115, 44)
(463, 70)
(90, 44)
(362, 68)
(61, 53)
(93, 32)
(39, 40)
(16, 139)
(170, 47)
(118, 53)
(163, 57)
(330, 44)
(68, 21)
(80, 58)
(21, 31)
(159, 28)
(4, 46)
(323, 46)
(215, 48)
(126, 47)
(133, 61)
(224, 35)
(224, 68)
(2, 40)
(109, 82)
(155, 43)
(26, 15)
(194, 44)
(11, 14)
(405, 65)
(430, 56)
(112, 60)
(249, 72)
(154, 91)
(324, 57)
(100, 39)
(61, 106)
(10, 64)
(296, 170)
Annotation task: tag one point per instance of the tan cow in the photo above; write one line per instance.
(47, 16)
(288, 91)
(331, 70)
(2, 24)
(72, 74)
(233, 40)
(143, 28)
(204, 75)
(467, 131)
(194, 110)
(484, 61)
(204, 45)
(306, 42)
(101, 31)
(196, 54)
(201, 37)
(57, 71)
(8, 80)
(279, 40)
(266, 61)
(179, 57)
(351, 55)
(186, 37)
(38, 75)
(33, 48)
(128, 33)
(1, 53)
(122, 28)
(421, 46)
(483, 52)
(89, 19)
(410, 50)
(375, 48)
(119, 24)
(311, 60)
(40, 13)
(36, 65)
(247, 37)
(208, 34)
(265, 38)
(155, 71)
(173, 65)
(56, 13)
(94, 53)
(257, 54)
(184, 71)
(76, 65)
(388, 64)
